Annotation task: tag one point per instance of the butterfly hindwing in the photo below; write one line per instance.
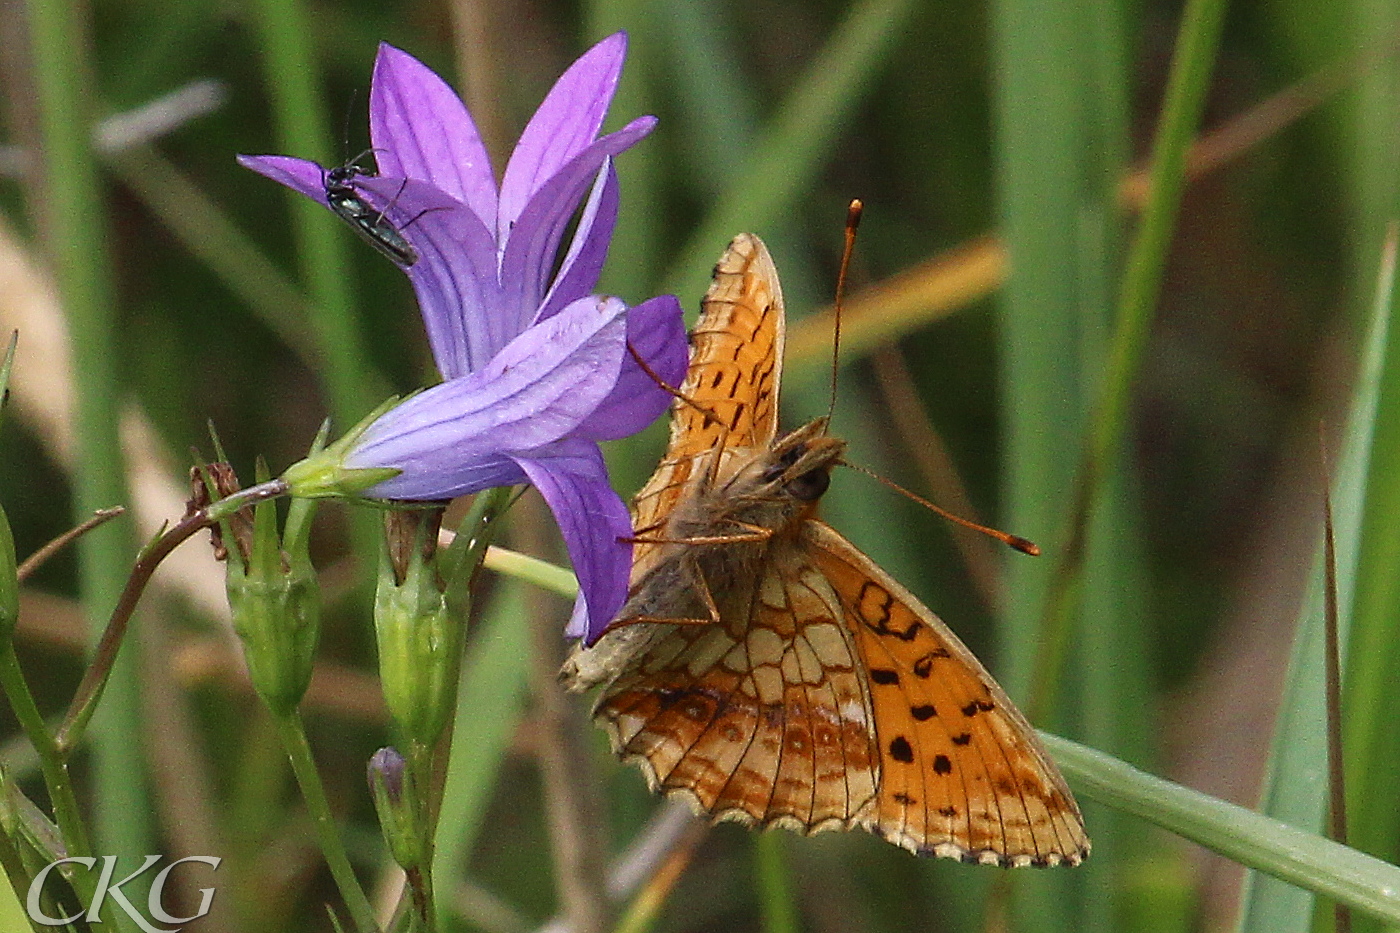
(963, 774)
(765, 720)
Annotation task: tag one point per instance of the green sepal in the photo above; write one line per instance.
(324, 475)
(276, 604)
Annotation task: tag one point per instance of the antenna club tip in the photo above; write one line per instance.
(1024, 545)
(853, 212)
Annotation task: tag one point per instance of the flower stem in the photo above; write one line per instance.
(94, 681)
(52, 761)
(420, 877)
(298, 751)
(542, 573)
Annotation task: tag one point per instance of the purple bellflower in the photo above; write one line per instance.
(536, 367)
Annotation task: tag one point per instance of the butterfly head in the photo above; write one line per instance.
(798, 466)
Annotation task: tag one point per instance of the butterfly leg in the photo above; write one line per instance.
(750, 534)
(658, 620)
(706, 595)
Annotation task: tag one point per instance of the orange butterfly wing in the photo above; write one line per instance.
(735, 364)
(962, 772)
(764, 719)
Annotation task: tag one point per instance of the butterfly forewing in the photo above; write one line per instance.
(732, 384)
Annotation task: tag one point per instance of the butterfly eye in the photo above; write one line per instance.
(810, 485)
(783, 463)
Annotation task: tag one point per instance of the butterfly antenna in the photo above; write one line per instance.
(1024, 545)
(710, 417)
(853, 213)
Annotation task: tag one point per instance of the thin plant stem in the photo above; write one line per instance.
(53, 761)
(94, 681)
(73, 222)
(36, 560)
(58, 782)
(421, 760)
(541, 573)
(313, 792)
(642, 911)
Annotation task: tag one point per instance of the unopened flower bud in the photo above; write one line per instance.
(420, 640)
(276, 604)
(395, 800)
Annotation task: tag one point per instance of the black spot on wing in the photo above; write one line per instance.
(923, 667)
(978, 706)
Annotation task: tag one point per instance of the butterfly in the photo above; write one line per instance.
(766, 670)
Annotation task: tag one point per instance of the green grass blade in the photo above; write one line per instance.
(1061, 119)
(718, 109)
(776, 902)
(1372, 690)
(294, 88)
(1296, 787)
(632, 257)
(210, 234)
(784, 163)
(1302, 858)
(75, 226)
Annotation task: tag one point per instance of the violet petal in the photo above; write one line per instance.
(656, 330)
(564, 124)
(455, 275)
(300, 175)
(534, 241)
(427, 480)
(420, 129)
(538, 389)
(583, 264)
(574, 481)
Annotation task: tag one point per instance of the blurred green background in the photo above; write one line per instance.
(157, 287)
